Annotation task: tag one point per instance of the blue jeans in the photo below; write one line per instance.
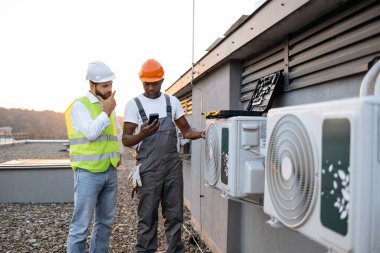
(93, 192)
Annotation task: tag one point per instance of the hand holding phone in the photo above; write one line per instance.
(152, 117)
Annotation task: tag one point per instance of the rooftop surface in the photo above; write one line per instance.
(44, 227)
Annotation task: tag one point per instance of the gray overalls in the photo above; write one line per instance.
(161, 176)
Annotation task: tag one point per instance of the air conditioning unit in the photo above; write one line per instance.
(322, 172)
(234, 157)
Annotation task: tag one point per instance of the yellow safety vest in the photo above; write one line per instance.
(92, 155)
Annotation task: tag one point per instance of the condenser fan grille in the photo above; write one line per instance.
(212, 155)
(291, 171)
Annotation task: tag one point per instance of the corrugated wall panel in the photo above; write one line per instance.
(265, 64)
(346, 54)
(348, 39)
(339, 71)
(335, 48)
(187, 104)
(322, 25)
(335, 29)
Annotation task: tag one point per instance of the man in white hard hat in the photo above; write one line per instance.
(95, 152)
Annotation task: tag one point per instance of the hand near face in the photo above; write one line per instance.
(108, 104)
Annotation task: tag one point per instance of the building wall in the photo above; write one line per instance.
(250, 233)
(228, 225)
(208, 209)
(325, 60)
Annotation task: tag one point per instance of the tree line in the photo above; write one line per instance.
(39, 125)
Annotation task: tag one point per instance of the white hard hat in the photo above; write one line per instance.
(99, 72)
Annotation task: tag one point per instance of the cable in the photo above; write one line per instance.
(368, 79)
(377, 86)
(192, 45)
(192, 237)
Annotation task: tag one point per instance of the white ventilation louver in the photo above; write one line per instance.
(234, 155)
(322, 172)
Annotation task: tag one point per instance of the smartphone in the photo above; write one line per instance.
(152, 117)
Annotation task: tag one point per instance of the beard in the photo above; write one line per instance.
(103, 95)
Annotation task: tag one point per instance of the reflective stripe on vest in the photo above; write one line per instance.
(93, 155)
(82, 158)
(99, 139)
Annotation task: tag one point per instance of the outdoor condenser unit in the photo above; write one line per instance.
(234, 159)
(235, 143)
(322, 172)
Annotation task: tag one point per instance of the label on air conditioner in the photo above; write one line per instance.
(224, 157)
(335, 183)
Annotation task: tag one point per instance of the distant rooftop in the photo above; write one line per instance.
(33, 150)
(35, 163)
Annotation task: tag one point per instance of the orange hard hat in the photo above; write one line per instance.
(151, 71)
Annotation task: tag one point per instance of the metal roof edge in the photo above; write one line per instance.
(247, 31)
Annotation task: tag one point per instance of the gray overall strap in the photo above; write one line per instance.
(168, 105)
(164, 141)
(141, 109)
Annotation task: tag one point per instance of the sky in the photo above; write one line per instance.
(46, 45)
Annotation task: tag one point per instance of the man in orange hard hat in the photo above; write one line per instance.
(158, 173)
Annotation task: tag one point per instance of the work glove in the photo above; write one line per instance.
(135, 178)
